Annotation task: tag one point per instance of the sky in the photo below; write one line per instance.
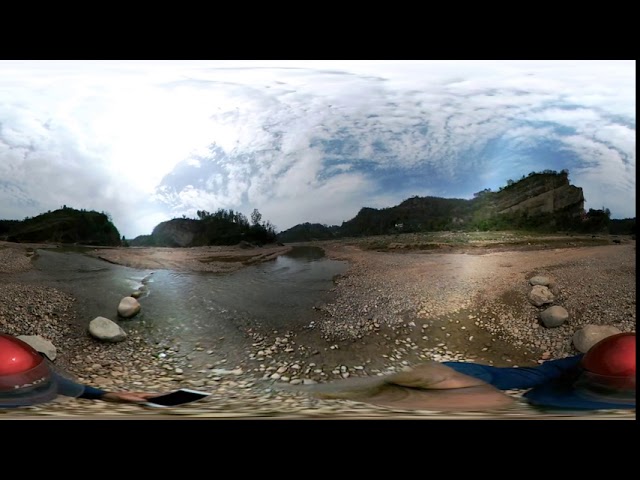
(305, 141)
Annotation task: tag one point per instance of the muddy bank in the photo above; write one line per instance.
(197, 259)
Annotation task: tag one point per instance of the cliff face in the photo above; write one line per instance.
(179, 232)
(539, 194)
(541, 201)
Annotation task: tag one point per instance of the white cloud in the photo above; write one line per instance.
(103, 134)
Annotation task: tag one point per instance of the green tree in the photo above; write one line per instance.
(256, 217)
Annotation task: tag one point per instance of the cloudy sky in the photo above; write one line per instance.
(313, 141)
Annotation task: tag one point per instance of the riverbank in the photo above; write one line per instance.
(218, 259)
(390, 310)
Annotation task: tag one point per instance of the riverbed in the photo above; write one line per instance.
(387, 311)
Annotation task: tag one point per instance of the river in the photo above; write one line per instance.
(195, 307)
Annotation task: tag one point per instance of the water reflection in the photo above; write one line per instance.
(196, 306)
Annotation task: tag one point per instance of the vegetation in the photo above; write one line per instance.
(65, 225)
(487, 211)
(306, 232)
(223, 227)
(625, 226)
(7, 226)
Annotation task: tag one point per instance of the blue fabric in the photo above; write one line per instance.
(92, 393)
(64, 386)
(551, 383)
(510, 378)
(558, 394)
(69, 388)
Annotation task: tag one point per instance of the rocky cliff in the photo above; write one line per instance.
(179, 232)
(540, 201)
(540, 193)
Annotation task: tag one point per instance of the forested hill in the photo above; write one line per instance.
(66, 225)
(541, 201)
(223, 227)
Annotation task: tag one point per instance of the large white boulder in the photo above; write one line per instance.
(589, 335)
(107, 330)
(540, 295)
(540, 280)
(128, 307)
(554, 316)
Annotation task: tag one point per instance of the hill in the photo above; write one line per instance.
(224, 227)
(542, 201)
(66, 225)
(306, 232)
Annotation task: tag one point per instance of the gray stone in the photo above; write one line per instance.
(540, 280)
(107, 330)
(128, 307)
(554, 289)
(41, 345)
(540, 295)
(589, 335)
(554, 316)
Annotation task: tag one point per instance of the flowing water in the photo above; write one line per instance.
(201, 307)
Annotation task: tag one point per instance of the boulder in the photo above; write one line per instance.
(128, 307)
(540, 295)
(40, 344)
(540, 280)
(554, 316)
(106, 330)
(589, 335)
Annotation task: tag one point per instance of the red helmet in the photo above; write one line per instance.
(611, 363)
(613, 356)
(25, 376)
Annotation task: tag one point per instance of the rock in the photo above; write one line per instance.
(540, 295)
(107, 330)
(554, 316)
(128, 307)
(136, 294)
(40, 344)
(589, 335)
(540, 280)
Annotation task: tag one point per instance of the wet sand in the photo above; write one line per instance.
(219, 259)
